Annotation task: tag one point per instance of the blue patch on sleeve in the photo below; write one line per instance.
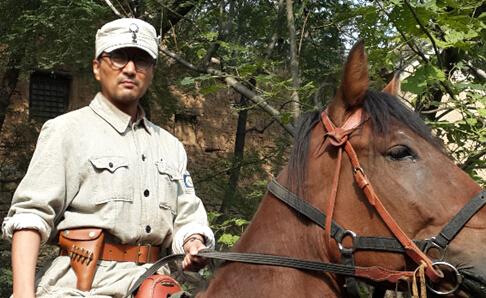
(188, 181)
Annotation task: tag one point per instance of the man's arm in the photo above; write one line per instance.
(192, 246)
(25, 249)
(191, 218)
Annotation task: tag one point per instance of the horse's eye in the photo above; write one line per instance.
(401, 152)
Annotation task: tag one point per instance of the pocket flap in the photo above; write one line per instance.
(81, 234)
(167, 207)
(110, 163)
(164, 169)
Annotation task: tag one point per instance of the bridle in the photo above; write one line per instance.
(339, 138)
(415, 249)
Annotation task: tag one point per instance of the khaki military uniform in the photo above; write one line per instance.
(93, 167)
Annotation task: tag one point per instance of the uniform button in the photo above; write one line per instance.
(148, 229)
(143, 157)
(110, 165)
(146, 193)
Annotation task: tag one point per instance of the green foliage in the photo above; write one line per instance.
(436, 45)
(5, 271)
(227, 232)
(51, 34)
(439, 86)
(423, 78)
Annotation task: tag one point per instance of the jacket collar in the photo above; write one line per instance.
(116, 118)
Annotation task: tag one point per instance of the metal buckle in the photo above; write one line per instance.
(340, 238)
(431, 244)
(149, 253)
(140, 249)
(458, 276)
(139, 253)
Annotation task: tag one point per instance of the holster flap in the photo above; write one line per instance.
(82, 234)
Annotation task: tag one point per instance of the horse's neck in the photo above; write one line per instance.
(275, 229)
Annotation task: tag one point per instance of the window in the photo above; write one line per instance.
(49, 94)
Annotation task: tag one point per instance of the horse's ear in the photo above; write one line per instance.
(393, 87)
(355, 78)
(354, 84)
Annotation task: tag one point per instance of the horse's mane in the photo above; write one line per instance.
(380, 106)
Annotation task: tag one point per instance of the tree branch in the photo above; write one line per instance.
(409, 42)
(222, 35)
(261, 130)
(236, 85)
(177, 11)
(115, 11)
(415, 49)
(477, 72)
(432, 40)
(303, 32)
(469, 162)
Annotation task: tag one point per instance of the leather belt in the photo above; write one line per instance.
(140, 254)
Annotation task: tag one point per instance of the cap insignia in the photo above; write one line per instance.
(134, 29)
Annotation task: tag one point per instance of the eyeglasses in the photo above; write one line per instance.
(120, 58)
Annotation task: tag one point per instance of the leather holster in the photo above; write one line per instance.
(83, 246)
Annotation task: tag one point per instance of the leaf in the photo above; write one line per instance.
(424, 75)
(228, 239)
(210, 35)
(286, 117)
(188, 81)
(241, 222)
(213, 88)
(247, 69)
(472, 121)
(201, 53)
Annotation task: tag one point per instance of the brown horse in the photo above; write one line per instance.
(421, 188)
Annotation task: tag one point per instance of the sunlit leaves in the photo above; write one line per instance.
(227, 232)
(423, 77)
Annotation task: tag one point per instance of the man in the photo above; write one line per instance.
(106, 166)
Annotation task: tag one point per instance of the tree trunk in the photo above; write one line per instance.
(294, 62)
(230, 193)
(276, 29)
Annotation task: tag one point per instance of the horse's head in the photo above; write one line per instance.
(418, 184)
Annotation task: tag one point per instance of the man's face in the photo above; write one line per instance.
(124, 84)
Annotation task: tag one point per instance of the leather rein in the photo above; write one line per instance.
(415, 249)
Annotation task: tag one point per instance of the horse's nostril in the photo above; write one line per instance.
(449, 283)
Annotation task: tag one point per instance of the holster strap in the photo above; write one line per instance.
(140, 254)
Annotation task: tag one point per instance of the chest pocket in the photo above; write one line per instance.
(112, 179)
(168, 187)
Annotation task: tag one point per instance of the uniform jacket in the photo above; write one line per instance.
(93, 167)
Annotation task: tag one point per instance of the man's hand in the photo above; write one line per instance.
(192, 245)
